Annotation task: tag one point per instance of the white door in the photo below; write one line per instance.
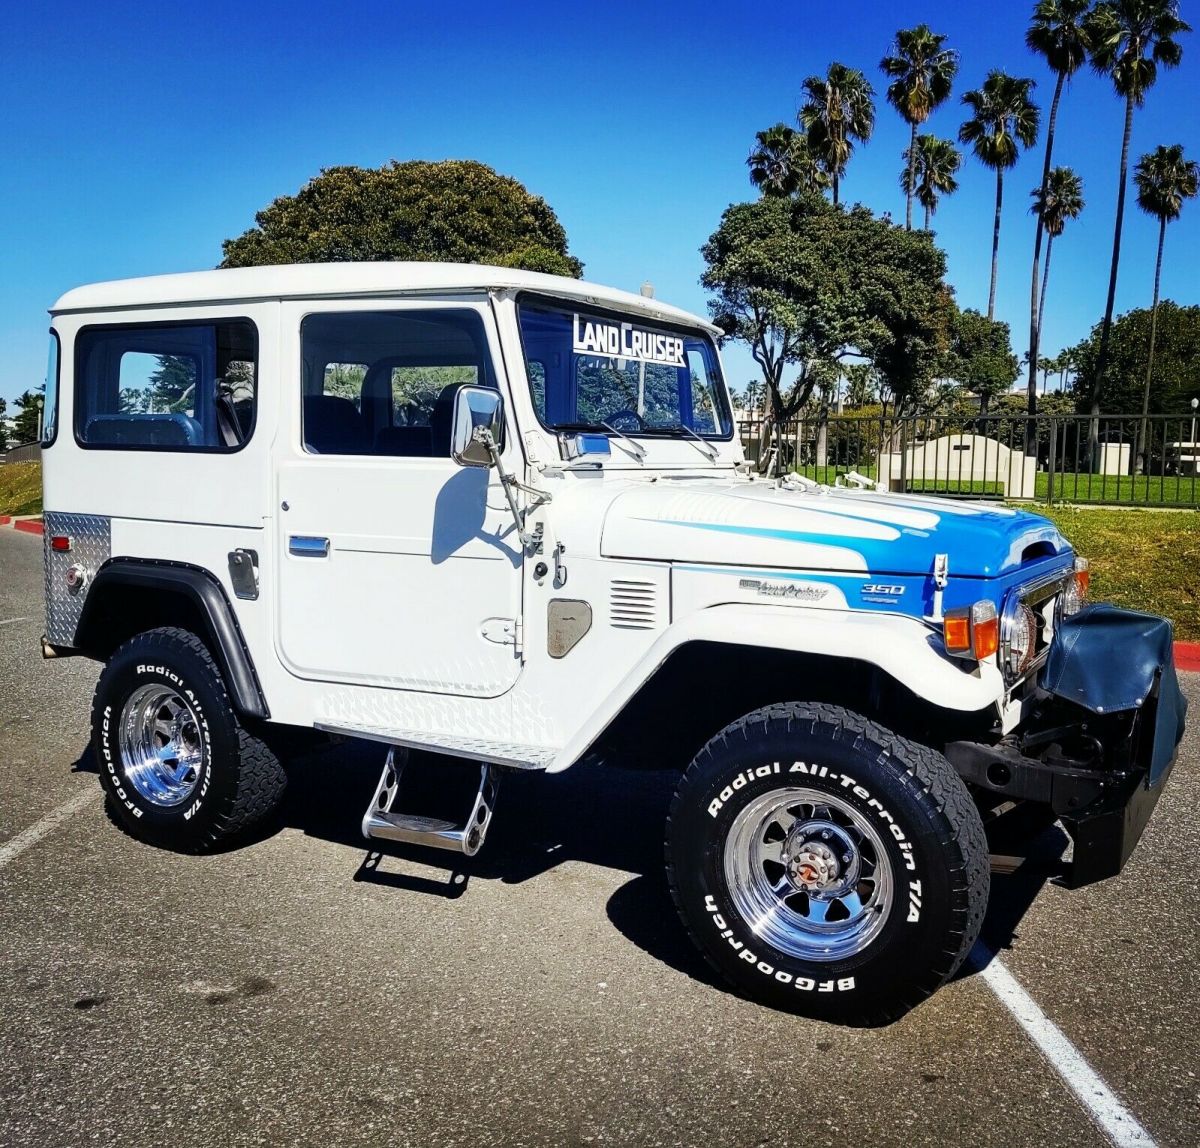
(397, 567)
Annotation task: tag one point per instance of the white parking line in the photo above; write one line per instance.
(10, 621)
(27, 838)
(1115, 1120)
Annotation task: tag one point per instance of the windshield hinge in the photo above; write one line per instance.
(941, 579)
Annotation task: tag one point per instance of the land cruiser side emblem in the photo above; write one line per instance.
(784, 590)
(881, 590)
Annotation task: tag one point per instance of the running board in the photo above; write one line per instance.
(510, 754)
(380, 823)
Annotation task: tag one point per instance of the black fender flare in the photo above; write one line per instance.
(201, 588)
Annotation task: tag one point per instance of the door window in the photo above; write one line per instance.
(383, 382)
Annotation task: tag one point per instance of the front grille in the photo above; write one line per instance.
(633, 605)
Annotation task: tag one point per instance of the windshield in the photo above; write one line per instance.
(590, 368)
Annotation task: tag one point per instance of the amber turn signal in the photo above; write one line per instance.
(972, 631)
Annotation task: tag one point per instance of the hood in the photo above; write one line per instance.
(758, 524)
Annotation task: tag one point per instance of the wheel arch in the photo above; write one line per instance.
(131, 595)
(726, 661)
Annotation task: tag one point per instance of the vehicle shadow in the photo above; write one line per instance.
(605, 816)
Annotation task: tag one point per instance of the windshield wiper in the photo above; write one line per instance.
(638, 451)
(678, 429)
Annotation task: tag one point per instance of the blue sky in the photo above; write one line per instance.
(137, 136)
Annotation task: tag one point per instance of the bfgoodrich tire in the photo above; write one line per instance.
(178, 768)
(824, 865)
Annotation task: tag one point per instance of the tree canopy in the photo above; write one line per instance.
(981, 356)
(807, 284)
(456, 211)
(1176, 378)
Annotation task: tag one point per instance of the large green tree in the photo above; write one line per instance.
(1165, 177)
(1130, 39)
(806, 284)
(457, 211)
(1003, 118)
(28, 418)
(981, 356)
(838, 111)
(1176, 379)
(1058, 33)
(922, 71)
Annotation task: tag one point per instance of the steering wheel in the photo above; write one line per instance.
(625, 414)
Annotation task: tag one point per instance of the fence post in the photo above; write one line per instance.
(1052, 461)
(903, 454)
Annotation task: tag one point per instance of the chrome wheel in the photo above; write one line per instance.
(809, 874)
(162, 749)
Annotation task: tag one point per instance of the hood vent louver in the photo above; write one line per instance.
(633, 605)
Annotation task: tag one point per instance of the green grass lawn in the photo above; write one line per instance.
(1143, 559)
(21, 488)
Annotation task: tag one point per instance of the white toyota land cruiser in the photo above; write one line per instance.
(500, 516)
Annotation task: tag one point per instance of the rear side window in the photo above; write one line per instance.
(383, 382)
(167, 386)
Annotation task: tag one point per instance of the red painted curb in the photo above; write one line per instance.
(29, 525)
(4, 520)
(1187, 656)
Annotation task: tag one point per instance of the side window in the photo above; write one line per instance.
(383, 382)
(166, 386)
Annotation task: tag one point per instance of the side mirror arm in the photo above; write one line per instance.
(511, 485)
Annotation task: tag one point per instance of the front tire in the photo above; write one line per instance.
(178, 768)
(826, 866)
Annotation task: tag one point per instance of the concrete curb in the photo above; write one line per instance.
(28, 525)
(4, 520)
(1187, 656)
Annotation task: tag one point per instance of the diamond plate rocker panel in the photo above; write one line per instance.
(91, 547)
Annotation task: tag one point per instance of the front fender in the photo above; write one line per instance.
(901, 647)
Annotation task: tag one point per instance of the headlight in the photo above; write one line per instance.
(1075, 588)
(1020, 638)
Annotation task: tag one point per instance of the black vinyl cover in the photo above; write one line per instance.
(1108, 660)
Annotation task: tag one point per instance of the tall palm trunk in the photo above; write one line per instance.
(1045, 279)
(912, 170)
(1036, 303)
(927, 221)
(1102, 357)
(996, 241)
(1143, 445)
(836, 181)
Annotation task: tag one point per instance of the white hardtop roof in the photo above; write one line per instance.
(343, 280)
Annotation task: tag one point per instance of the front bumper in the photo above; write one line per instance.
(1101, 739)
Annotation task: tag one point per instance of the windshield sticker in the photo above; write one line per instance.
(625, 341)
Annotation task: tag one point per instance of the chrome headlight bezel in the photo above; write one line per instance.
(1041, 601)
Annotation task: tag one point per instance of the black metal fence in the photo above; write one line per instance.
(26, 452)
(1123, 460)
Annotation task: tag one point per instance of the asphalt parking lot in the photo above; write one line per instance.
(294, 991)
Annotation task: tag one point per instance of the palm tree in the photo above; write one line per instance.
(922, 72)
(838, 110)
(1058, 199)
(929, 171)
(1057, 33)
(1164, 178)
(781, 164)
(1130, 39)
(1003, 118)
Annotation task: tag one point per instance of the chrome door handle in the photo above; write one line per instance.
(308, 546)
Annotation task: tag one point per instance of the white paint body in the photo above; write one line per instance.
(403, 631)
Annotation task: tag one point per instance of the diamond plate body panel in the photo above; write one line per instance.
(91, 547)
(476, 749)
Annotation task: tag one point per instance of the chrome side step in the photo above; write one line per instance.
(381, 823)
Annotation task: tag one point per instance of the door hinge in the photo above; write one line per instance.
(504, 632)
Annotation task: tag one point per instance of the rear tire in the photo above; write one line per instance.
(826, 866)
(179, 769)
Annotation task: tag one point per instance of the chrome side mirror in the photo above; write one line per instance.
(475, 408)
